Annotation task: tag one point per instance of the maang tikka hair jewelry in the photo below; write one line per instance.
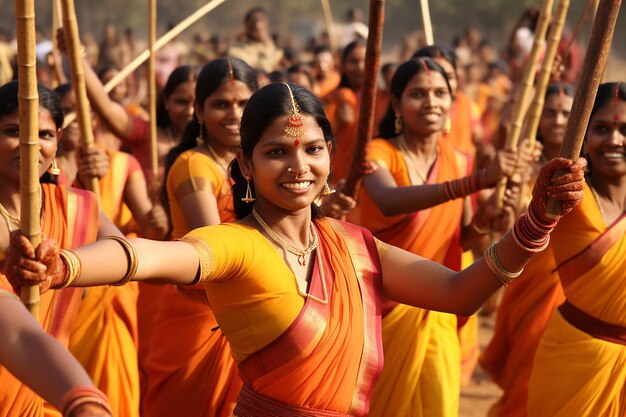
(295, 123)
(231, 71)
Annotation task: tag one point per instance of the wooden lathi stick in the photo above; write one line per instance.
(590, 75)
(519, 110)
(330, 25)
(554, 37)
(152, 94)
(428, 25)
(28, 103)
(587, 12)
(83, 113)
(368, 98)
(162, 41)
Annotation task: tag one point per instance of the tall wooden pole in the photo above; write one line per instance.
(330, 25)
(28, 105)
(152, 95)
(554, 37)
(428, 25)
(83, 113)
(523, 93)
(368, 97)
(590, 75)
(161, 42)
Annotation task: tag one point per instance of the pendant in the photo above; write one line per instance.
(302, 260)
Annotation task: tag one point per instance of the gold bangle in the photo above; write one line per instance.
(526, 248)
(131, 257)
(206, 260)
(493, 263)
(73, 267)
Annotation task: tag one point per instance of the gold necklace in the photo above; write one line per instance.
(405, 151)
(223, 164)
(301, 254)
(9, 218)
(597, 197)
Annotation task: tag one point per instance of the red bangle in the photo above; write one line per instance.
(83, 395)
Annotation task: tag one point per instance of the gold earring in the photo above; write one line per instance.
(200, 138)
(54, 168)
(398, 124)
(327, 190)
(248, 198)
(447, 128)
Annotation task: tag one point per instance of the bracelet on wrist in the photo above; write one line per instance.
(131, 257)
(493, 263)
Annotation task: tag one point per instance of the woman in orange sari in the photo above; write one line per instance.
(342, 107)
(526, 307)
(40, 361)
(580, 365)
(401, 206)
(70, 216)
(186, 354)
(298, 296)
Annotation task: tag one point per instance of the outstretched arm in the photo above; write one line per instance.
(413, 280)
(37, 359)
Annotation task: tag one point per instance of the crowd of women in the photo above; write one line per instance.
(241, 281)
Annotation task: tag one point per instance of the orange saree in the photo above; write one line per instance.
(422, 359)
(326, 354)
(345, 134)
(188, 357)
(70, 216)
(461, 123)
(104, 339)
(580, 365)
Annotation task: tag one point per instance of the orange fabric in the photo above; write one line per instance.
(187, 357)
(327, 355)
(575, 373)
(328, 84)
(523, 316)
(461, 133)
(104, 339)
(422, 372)
(70, 217)
(345, 135)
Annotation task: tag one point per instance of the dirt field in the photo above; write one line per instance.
(477, 397)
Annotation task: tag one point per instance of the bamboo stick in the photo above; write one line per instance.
(330, 25)
(152, 93)
(56, 24)
(83, 113)
(591, 73)
(524, 92)
(588, 11)
(162, 41)
(368, 98)
(428, 26)
(554, 37)
(28, 102)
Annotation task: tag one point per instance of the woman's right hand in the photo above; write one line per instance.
(26, 266)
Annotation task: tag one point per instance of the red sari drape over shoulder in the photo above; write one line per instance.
(70, 216)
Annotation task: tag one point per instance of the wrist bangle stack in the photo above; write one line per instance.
(205, 258)
(84, 395)
(131, 257)
(73, 267)
(493, 263)
(530, 234)
(465, 186)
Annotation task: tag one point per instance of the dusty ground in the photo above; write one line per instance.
(477, 397)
